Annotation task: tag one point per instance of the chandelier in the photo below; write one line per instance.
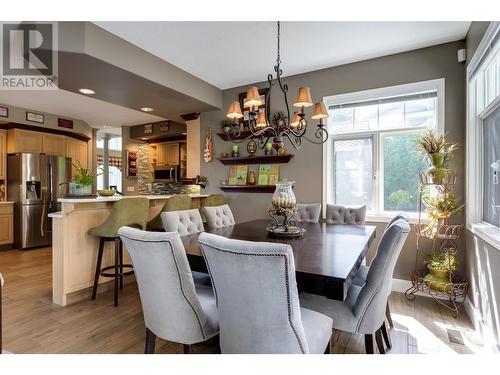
(280, 125)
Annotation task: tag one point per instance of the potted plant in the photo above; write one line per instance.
(439, 153)
(439, 210)
(440, 266)
(225, 125)
(81, 183)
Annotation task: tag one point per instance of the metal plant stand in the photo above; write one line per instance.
(443, 235)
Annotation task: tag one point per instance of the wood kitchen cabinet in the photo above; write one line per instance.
(161, 153)
(6, 223)
(172, 151)
(54, 144)
(19, 140)
(3, 153)
(78, 152)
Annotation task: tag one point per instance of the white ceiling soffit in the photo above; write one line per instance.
(96, 113)
(230, 54)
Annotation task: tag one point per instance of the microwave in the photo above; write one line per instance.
(166, 173)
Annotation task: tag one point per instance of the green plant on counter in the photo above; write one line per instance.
(83, 176)
(442, 262)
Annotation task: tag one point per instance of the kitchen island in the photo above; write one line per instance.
(74, 252)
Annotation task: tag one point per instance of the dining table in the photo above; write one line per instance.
(326, 256)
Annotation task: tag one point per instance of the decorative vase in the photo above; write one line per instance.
(251, 147)
(268, 151)
(283, 197)
(438, 280)
(235, 151)
(438, 171)
(251, 178)
(79, 190)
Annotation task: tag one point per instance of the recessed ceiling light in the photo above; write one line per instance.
(87, 91)
(147, 109)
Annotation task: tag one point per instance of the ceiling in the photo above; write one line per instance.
(230, 54)
(96, 113)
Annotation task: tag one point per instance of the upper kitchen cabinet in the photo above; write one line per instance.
(172, 151)
(77, 151)
(53, 144)
(19, 140)
(3, 152)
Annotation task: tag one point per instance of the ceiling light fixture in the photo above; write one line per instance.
(86, 91)
(147, 109)
(263, 127)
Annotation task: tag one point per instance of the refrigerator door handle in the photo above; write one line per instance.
(42, 221)
(49, 182)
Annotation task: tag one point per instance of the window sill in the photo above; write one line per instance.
(487, 233)
(387, 218)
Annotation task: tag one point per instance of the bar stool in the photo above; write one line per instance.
(213, 200)
(174, 203)
(132, 212)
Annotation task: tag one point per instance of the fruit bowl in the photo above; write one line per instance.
(106, 192)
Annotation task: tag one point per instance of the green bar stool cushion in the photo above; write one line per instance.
(213, 200)
(174, 203)
(132, 212)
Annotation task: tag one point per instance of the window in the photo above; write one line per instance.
(491, 169)
(370, 157)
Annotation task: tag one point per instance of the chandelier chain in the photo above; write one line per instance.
(278, 61)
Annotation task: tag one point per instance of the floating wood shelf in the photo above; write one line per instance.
(248, 188)
(257, 159)
(243, 134)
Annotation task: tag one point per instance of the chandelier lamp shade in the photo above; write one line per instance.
(280, 126)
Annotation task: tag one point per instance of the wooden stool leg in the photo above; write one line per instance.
(150, 342)
(187, 349)
(388, 316)
(369, 344)
(98, 267)
(121, 264)
(117, 269)
(386, 336)
(380, 343)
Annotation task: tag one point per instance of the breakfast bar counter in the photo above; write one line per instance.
(74, 252)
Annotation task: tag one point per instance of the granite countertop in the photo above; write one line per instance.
(118, 197)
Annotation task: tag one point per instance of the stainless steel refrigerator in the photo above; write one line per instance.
(34, 183)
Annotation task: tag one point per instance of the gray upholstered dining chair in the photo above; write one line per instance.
(219, 216)
(174, 308)
(362, 273)
(307, 212)
(345, 215)
(186, 222)
(363, 311)
(183, 222)
(257, 299)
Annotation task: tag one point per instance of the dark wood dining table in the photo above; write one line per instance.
(326, 257)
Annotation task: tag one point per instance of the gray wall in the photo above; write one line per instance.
(306, 167)
(483, 260)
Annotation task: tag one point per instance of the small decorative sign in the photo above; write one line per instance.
(64, 123)
(131, 164)
(164, 126)
(4, 111)
(34, 117)
(148, 129)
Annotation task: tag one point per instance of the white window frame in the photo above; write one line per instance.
(377, 135)
(477, 110)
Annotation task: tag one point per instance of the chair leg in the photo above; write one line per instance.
(121, 264)
(150, 342)
(388, 316)
(327, 350)
(378, 339)
(386, 336)
(369, 344)
(187, 349)
(117, 261)
(98, 267)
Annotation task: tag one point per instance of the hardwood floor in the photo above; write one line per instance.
(33, 324)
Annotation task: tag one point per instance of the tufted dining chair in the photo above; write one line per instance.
(345, 215)
(257, 300)
(363, 311)
(183, 222)
(307, 213)
(362, 273)
(175, 309)
(219, 216)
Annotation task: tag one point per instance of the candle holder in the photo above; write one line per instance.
(284, 208)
